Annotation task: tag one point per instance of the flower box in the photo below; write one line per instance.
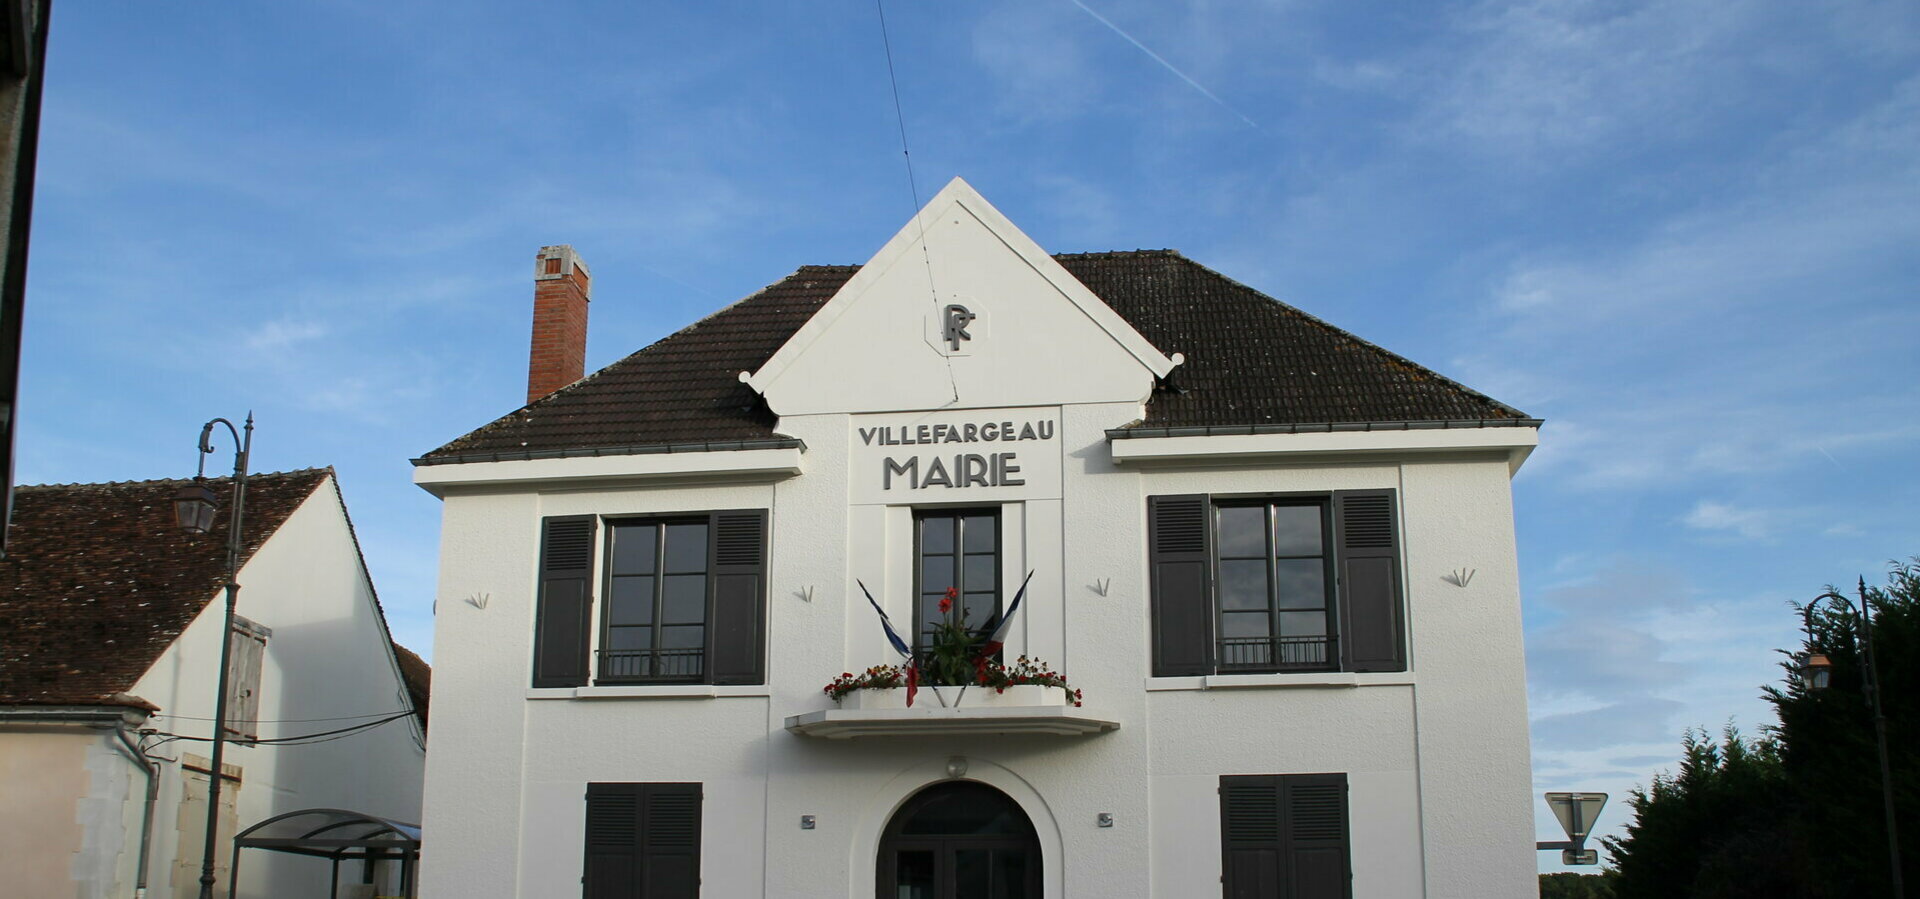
(1019, 696)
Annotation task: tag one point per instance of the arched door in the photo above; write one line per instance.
(959, 840)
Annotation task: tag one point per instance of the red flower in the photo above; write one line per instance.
(946, 605)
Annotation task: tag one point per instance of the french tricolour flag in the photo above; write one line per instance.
(899, 645)
(996, 631)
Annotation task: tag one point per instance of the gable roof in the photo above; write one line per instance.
(1250, 362)
(98, 580)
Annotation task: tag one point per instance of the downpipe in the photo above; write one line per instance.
(152, 770)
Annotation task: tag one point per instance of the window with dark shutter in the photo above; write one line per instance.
(686, 599)
(564, 613)
(642, 841)
(1372, 613)
(1285, 836)
(1252, 584)
(1179, 563)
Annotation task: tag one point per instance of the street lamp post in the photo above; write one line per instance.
(193, 507)
(1815, 670)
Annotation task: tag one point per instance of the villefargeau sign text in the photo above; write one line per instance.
(944, 456)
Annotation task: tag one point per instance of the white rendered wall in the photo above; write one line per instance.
(67, 827)
(1436, 758)
(328, 658)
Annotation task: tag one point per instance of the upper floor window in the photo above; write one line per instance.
(958, 550)
(684, 600)
(1273, 596)
(655, 626)
(1275, 583)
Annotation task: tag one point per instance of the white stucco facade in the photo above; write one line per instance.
(1436, 756)
(80, 797)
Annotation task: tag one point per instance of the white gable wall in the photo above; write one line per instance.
(1041, 338)
(327, 658)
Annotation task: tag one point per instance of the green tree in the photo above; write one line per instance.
(1568, 885)
(1713, 829)
(1796, 814)
(1828, 746)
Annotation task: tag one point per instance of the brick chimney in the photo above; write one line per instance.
(560, 289)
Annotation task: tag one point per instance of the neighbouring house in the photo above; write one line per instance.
(110, 630)
(1276, 561)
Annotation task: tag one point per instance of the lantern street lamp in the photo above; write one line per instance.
(193, 508)
(1816, 672)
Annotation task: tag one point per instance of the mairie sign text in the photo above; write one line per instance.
(958, 470)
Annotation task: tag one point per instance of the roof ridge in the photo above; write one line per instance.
(1099, 254)
(155, 482)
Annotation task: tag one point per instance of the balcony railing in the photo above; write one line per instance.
(1248, 654)
(625, 666)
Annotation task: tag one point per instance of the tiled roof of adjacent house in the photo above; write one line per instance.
(1251, 362)
(98, 580)
(417, 675)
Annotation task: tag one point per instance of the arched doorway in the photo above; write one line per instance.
(959, 840)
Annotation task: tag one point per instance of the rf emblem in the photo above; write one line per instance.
(956, 318)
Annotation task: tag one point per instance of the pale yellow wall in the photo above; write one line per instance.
(43, 775)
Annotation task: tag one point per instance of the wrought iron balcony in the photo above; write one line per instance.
(1256, 654)
(636, 666)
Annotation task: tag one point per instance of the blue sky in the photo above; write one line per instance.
(1683, 232)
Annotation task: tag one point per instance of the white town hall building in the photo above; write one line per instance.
(1277, 561)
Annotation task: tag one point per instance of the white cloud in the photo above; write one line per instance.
(1555, 82)
(279, 336)
(1596, 655)
(1708, 515)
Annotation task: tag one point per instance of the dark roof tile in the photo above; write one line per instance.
(98, 580)
(1250, 360)
(417, 675)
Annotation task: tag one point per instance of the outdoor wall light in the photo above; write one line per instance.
(1817, 669)
(807, 822)
(193, 507)
(957, 766)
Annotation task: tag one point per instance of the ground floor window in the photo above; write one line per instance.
(643, 841)
(1285, 836)
(959, 840)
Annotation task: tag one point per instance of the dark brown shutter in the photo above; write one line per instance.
(565, 610)
(1252, 866)
(643, 841)
(613, 841)
(670, 844)
(1372, 615)
(1317, 854)
(736, 623)
(1179, 564)
(1285, 837)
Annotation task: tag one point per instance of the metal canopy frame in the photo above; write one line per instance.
(336, 835)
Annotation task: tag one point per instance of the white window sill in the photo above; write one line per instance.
(661, 691)
(1317, 679)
